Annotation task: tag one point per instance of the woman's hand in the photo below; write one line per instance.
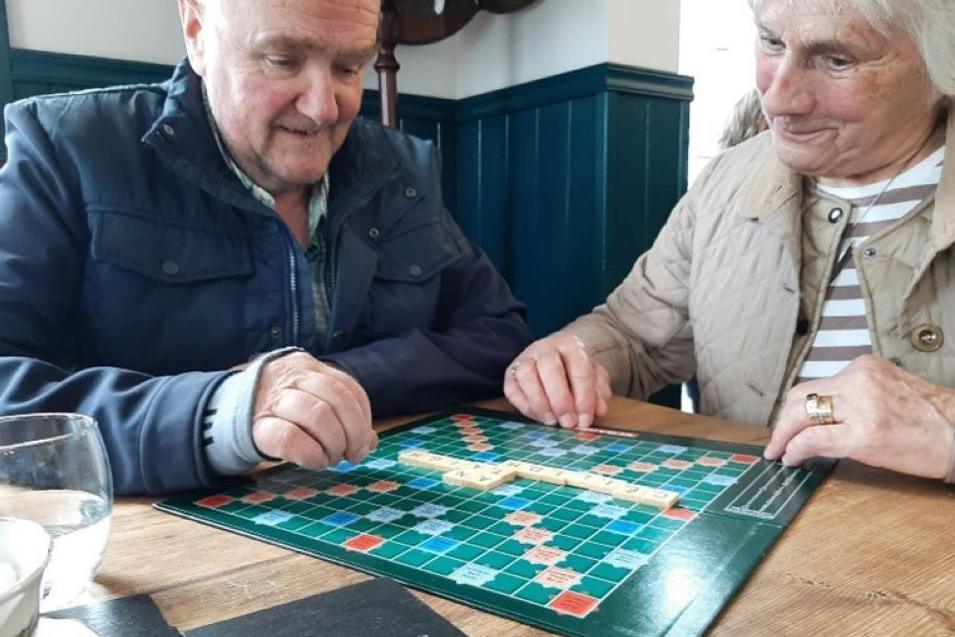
(884, 416)
(555, 381)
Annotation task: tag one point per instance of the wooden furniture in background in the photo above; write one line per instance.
(421, 22)
(869, 555)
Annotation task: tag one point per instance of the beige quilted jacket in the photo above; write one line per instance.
(734, 284)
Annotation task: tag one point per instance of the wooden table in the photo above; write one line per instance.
(873, 553)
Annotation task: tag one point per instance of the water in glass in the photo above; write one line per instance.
(53, 470)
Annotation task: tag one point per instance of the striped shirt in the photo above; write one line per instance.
(843, 333)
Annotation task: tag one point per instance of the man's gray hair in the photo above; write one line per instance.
(930, 24)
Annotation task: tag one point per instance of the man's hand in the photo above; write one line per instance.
(554, 380)
(885, 417)
(311, 414)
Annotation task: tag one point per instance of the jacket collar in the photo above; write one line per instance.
(182, 133)
(182, 136)
(360, 167)
(770, 186)
(943, 218)
(773, 184)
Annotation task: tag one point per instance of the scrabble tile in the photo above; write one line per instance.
(475, 479)
(452, 464)
(606, 485)
(507, 473)
(631, 493)
(553, 475)
(461, 478)
(518, 466)
(415, 458)
(660, 498)
(582, 479)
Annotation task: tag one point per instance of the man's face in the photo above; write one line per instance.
(844, 103)
(284, 79)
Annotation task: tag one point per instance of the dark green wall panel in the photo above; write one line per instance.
(481, 205)
(493, 163)
(589, 181)
(523, 205)
(565, 181)
(6, 83)
(529, 200)
(72, 72)
(583, 206)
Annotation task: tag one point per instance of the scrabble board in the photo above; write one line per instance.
(569, 560)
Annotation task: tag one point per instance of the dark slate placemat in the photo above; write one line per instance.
(376, 607)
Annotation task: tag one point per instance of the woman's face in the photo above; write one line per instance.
(845, 104)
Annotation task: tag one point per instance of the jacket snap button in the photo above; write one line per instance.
(275, 332)
(927, 338)
(170, 267)
(338, 335)
(868, 253)
(835, 215)
(168, 129)
(411, 192)
(373, 233)
(415, 270)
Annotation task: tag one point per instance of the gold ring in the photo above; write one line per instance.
(819, 409)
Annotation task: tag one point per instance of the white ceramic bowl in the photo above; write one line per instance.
(24, 552)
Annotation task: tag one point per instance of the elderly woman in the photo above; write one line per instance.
(808, 277)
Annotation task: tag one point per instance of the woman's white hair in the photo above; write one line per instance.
(930, 24)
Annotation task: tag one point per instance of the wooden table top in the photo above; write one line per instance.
(873, 553)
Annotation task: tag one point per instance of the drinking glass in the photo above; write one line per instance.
(54, 471)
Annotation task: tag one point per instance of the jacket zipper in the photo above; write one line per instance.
(293, 285)
(329, 272)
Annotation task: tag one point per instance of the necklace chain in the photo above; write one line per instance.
(854, 222)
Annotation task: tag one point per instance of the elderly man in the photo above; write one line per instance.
(226, 267)
(808, 277)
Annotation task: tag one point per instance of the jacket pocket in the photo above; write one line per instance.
(165, 296)
(167, 252)
(417, 253)
(406, 292)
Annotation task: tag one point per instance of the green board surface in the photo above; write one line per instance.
(569, 561)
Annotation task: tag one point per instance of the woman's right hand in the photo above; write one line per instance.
(555, 381)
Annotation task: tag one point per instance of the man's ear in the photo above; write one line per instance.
(191, 15)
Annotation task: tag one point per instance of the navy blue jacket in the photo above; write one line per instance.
(135, 268)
